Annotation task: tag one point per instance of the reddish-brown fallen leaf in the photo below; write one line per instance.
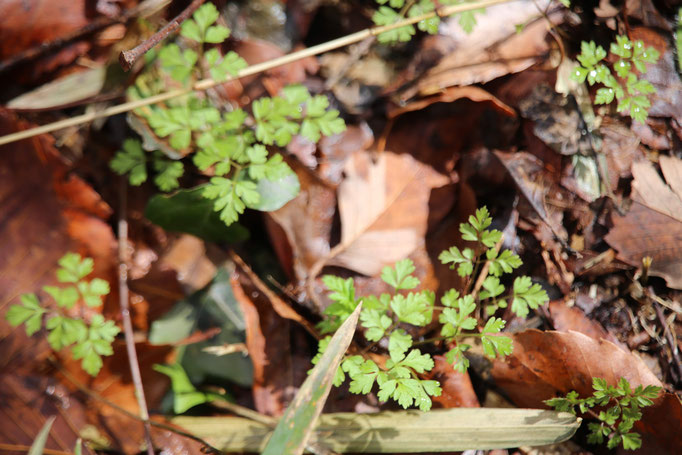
(458, 392)
(302, 228)
(653, 225)
(27, 401)
(544, 364)
(660, 427)
(565, 319)
(267, 340)
(43, 222)
(493, 49)
(28, 23)
(384, 207)
(451, 94)
(40, 227)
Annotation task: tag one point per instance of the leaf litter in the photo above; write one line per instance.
(457, 124)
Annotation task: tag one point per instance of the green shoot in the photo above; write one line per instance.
(392, 11)
(387, 318)
(620, 407)
(630, 91)
(229, 146)
(89, 340)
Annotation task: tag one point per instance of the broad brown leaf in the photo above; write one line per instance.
(571, 318)
(493, 49)
(267, 341)
(546, 363)
(384, 210)
(653, 226)
(306, 222)
(458, 392)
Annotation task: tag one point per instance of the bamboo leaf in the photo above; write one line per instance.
(40, 440)
(440, 430)
(296, 426)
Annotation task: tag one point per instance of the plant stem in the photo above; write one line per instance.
(125, 314)
(251, 70)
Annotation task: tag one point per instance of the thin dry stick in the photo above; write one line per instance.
(125, 314)
(251, 70)
(671, 339)
(128, 58)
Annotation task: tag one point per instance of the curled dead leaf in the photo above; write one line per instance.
(653, 225)
(384, 210)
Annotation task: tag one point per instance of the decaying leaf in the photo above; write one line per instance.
(306, 222)
(267, 341)
(493, 49)
(557, 121)
(529, 176)
(384, 208)
(546, 363)
(653, 226)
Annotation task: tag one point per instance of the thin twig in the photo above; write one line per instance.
(671, 339)
(125, 314)
(251, 70)
(128, 58)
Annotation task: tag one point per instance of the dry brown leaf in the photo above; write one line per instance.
(458, 392)
(493, 49)
(267, 341)
(384, 210)
(571, 318)
(621, 148)
(27, 401)
(653, 225)
(302, 228)
(451, 94)
(531, 179)
(547, 363)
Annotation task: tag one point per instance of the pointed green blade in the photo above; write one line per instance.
(296, 425)
(40, 440)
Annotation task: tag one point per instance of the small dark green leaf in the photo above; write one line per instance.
(188, 211)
